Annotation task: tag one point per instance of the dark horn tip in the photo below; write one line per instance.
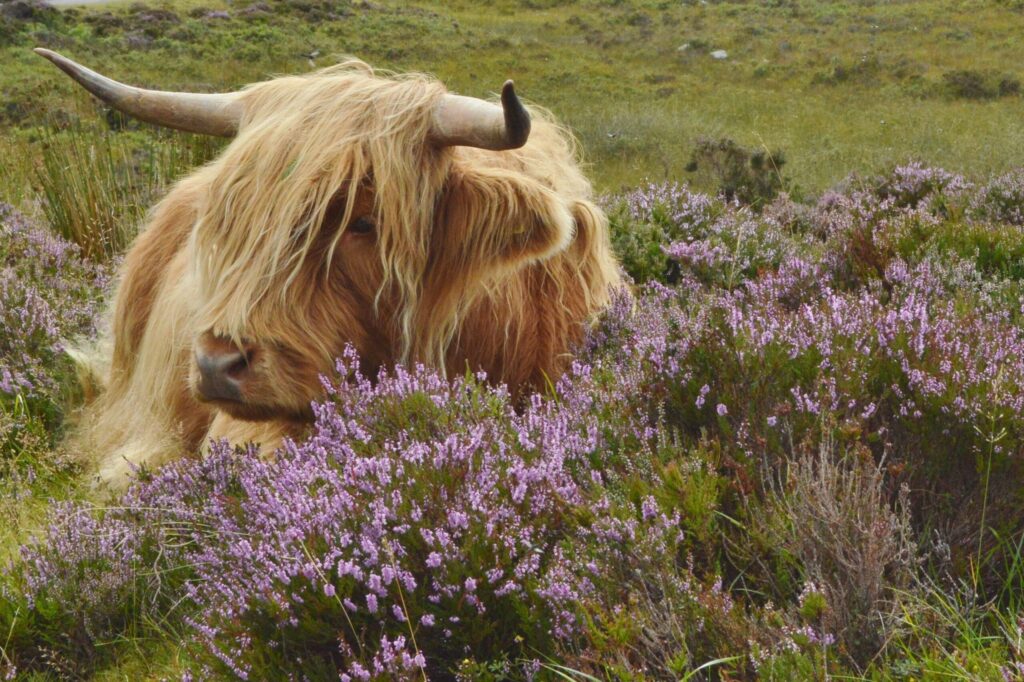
(517, 118)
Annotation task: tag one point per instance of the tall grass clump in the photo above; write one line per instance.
(97, 184)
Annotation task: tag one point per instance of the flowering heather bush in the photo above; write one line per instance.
(424, 522)
(1002, 199)
(734, 436)
(49, 294)
(898, 328)
(658, 227)
(910, 185)
(81, 583)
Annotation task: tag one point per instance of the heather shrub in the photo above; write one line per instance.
(1002, 199)
(90, 578)
(667, 232)
(867, 70)
(916, 214)
(869, 225)
(890, 330)
(909, 185)
(994, 249)
(50, 293)
(661, 615)
(423, 523)
(974, 84)
(853, 541)
(19, 17)
(968, 84)
(643, 221)
(766, 370)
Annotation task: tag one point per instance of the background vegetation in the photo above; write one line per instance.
(839, 87)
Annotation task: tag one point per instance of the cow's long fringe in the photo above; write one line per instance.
(297, 148)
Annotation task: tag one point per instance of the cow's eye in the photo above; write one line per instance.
(364, 225)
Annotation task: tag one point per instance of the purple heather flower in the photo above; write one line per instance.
(49, 293)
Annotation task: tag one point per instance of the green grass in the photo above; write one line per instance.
(839, 87)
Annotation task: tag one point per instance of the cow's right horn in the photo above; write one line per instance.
(473, 122)
(207, 114)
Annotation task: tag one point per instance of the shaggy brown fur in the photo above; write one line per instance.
(478, 259)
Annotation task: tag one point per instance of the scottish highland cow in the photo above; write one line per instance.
(350, 208)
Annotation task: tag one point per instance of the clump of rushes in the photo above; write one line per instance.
(96, 185)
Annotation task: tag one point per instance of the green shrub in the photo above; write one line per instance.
(977, 85)
(750, 176)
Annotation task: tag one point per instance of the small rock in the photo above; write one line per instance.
(719, 54)
(145, 15)
(683, 48)
(256, 8)
(136, 40)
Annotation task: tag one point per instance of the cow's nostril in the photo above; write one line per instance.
(221, 373)
(238, 366)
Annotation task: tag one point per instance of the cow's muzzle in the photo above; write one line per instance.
(223, 369)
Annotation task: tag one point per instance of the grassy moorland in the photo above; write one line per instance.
(796, 452)
(836, 87)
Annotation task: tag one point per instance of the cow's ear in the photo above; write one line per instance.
(499, 219)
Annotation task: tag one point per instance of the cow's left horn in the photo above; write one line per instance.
(207, 114)
(472, 122)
